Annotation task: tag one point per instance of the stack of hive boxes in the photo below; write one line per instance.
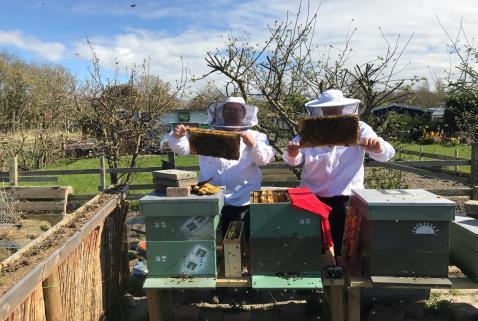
(464, 245)
(173, 180)
(401, 233)
(181, 234)
(284, 241)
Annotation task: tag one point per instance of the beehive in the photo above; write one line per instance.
(464, 245)
(282, 237)
(401, 233)
(181, 234)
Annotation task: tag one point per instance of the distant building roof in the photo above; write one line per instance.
(431, 112)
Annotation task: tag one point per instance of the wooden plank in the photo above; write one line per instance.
(359, 282)
(474, 170)
(28, 179)
(425, 164)
(52, 297)
(13, 171)
(60, 172)
(41, 206)
(427, 155)
(451, 192)
(159, 305)
(122, 170)
(40, 192)
(353, 304)
(335, 297)
(20, 291)
(243, 282)
(102, 173)
(410, 282)
(233, 244)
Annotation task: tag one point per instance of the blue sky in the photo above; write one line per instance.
(48, 31)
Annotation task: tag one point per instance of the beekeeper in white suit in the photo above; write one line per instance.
(240, 177)
(331, 172)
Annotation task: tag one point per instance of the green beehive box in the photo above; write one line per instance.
(181, 258)
(282, 220)
(464, 245)
(403, 233)
(193, 205)
(181, 228)
(286, 256)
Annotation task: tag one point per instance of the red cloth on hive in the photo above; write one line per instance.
(304, 199)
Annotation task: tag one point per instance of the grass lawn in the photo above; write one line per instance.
(464, 151)
(88, 183)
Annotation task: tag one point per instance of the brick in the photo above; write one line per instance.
(471, 208)
(174, 174)
(178, 191)
(386, 313)
(462, 312)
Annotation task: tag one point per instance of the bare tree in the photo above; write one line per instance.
(119, 114)
(462, 84)
(281, 75)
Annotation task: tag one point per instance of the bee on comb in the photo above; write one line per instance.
(336, 130)
(215, 143)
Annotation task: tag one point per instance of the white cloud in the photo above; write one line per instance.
(50, 50)
(205, 21)
(163, 52)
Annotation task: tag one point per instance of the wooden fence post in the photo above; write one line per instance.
(172, 158)
(474, 171)
(52, 297)
(13, 171)
(456, 157)
(421, 152)
(102, 173)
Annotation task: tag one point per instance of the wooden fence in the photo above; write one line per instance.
(428, 168)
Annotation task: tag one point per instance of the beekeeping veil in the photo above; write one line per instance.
(332, 102)
(233, 113)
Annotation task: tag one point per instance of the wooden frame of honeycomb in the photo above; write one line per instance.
(269, 196)
(215, 143)
(337, 130)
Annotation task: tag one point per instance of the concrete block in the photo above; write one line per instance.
(174, 174)
(471, 208)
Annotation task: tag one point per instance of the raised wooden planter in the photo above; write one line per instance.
(45, 203)
(74, 270)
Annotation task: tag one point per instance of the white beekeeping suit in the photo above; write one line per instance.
(242, 176)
